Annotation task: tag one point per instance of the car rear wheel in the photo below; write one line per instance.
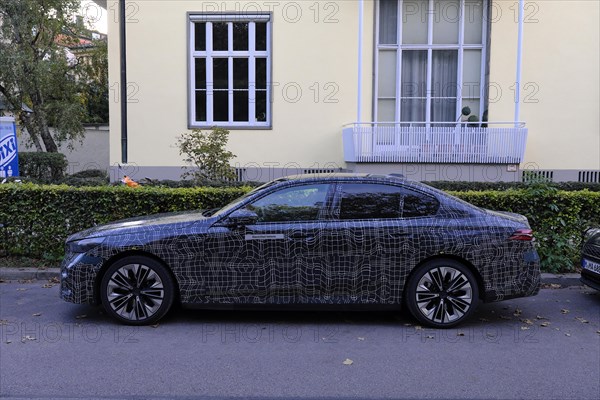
(442, 293)
(137, 290)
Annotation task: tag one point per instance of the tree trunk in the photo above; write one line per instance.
(44, 131)
(35, 139)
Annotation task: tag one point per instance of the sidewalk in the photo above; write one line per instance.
(25, 274)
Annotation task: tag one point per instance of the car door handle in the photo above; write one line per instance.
(298, 235)
(397, 235)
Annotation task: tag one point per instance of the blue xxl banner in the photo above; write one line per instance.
(9, 158)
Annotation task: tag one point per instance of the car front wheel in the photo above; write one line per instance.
(137, 290)
(442, 293)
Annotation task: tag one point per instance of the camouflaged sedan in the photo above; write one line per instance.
(318, 241)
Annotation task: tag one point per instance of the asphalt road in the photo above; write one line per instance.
(543, 347)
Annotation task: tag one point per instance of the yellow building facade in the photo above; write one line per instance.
(379, 86)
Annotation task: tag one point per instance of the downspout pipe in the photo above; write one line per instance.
(360, 60)
(519, 61)
(123, 91)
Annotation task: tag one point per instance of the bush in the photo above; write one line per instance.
(460, 186)
(206, 152)
(43, 167)
(39, 218)
(88, 177)
(558, 219)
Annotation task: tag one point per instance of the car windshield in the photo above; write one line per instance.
(228, 207)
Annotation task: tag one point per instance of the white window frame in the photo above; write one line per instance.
(209, 54)
(430, 47)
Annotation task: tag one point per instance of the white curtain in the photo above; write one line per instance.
(443, 85)
(388, 21)
(414, 85)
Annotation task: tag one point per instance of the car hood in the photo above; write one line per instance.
(130, 225)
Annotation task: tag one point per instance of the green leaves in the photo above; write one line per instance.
(41, 66)
(206, 152)
(558, 219)
(39, 218)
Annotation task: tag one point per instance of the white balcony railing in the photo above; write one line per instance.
(453, 142)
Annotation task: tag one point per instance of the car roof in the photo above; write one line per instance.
(341, 175)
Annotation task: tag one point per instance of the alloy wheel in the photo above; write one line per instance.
(135, 292)
(444, 295)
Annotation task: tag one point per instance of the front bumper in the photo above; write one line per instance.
(590, 278)
(78, 273)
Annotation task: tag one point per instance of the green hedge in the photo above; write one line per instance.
(558, 219)
(461, 186)
(39, 218)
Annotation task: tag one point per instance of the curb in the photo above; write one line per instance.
(26, 274)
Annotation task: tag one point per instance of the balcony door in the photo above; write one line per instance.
(430, 63)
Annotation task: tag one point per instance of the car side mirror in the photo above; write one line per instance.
(242, 217)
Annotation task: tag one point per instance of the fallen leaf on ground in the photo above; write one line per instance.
(545, 324)
(564, 311)
(598, 332)
(517, 312)
(37, 314)
(540, 317)
(348, 361)
(48, 285)
(407, 324)
(583, 321)
(551, 286)
(524, 328)
(504, 317)
(81, 316)
(8, 342)
(526, 321)
(155, 326)
(54, 280)
(429, 337)
(361, 338)
(21, 289)
(418, 328)
(27, 337)
(3, 322)
(568, 334)
(460, 334)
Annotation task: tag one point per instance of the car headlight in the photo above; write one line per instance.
(85, 245)
(587, 235)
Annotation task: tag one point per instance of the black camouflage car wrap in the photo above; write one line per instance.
(325, 261)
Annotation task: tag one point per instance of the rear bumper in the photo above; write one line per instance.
(523, 282)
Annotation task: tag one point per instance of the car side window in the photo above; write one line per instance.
(377, 201)
(300, 203)
(370, 201)
(418, 204)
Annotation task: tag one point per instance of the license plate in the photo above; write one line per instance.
(591, 266)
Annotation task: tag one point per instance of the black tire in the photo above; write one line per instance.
(137, 290)
(442, 293)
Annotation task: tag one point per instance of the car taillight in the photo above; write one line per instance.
(522, 234)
